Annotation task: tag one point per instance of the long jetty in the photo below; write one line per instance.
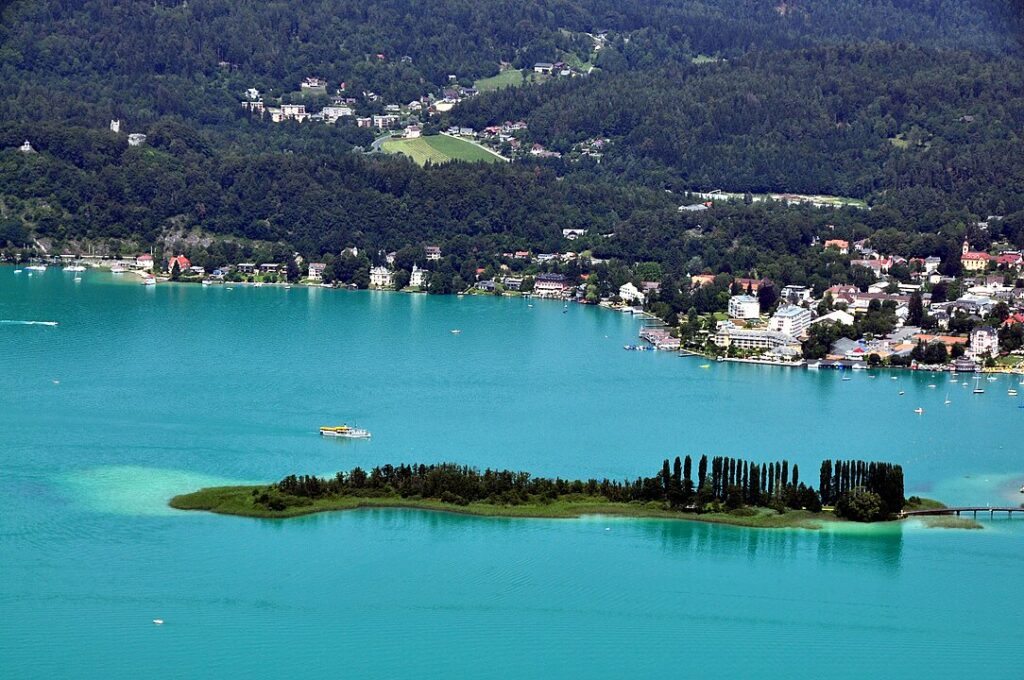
(974, 509)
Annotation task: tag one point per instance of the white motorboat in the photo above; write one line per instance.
(345, 432)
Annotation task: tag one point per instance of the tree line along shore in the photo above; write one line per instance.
(723, 490)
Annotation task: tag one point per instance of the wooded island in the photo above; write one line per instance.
(724, 490)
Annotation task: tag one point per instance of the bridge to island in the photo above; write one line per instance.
(975, 509)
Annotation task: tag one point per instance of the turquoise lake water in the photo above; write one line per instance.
(144, 392)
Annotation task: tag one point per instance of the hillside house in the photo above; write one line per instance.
(182, 262)
(973, 261)
(419, 277)
(316, 271)
(838, 244)
(630, 294)
(381, 277)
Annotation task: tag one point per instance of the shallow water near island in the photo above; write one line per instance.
(140, 393)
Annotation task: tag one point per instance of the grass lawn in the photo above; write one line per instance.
(507, 78)
(439, 149)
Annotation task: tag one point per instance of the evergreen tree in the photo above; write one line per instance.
(825, 482)
(666, 479)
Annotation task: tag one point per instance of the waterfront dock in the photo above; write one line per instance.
(957, 511)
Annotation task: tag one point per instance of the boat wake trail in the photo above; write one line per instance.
(15, 322)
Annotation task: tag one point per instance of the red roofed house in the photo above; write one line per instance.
(753, 285)
(839, 244)
(144, 261)
(1014, 318)
(973, 261)
(700, 280)
(181, 260)
(1009, 260)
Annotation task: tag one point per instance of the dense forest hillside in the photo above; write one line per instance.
(94, 59)
(916, 106)
(843, 120)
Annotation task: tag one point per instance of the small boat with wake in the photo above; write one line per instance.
(344, 432)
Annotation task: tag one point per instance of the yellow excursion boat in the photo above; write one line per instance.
(344, 431)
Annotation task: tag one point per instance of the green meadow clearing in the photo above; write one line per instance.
(439, 149)
(507, 78)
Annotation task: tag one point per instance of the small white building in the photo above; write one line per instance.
(385, 121)
(630, 293)
(333, 113)
(413, 131)
(744, 307)
(418, 277)
(252, 94)
(136, 139)
(796, 294)
(838, 316)
(381, 277)
(790, 320)
(433, 253)
(144, 262)
(294, 112)
(984, 340)
(26, 148)
(573, 234)
(316, 271)
(115, 125)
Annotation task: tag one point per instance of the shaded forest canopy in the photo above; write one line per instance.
(918, 107)
(709, 486)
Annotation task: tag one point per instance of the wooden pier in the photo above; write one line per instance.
(972, 509)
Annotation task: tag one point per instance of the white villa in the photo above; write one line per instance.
(418, 278)
(381, 277)
(316, 271)
(630, 293)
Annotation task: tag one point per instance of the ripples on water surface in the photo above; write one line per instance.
(140, 393)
